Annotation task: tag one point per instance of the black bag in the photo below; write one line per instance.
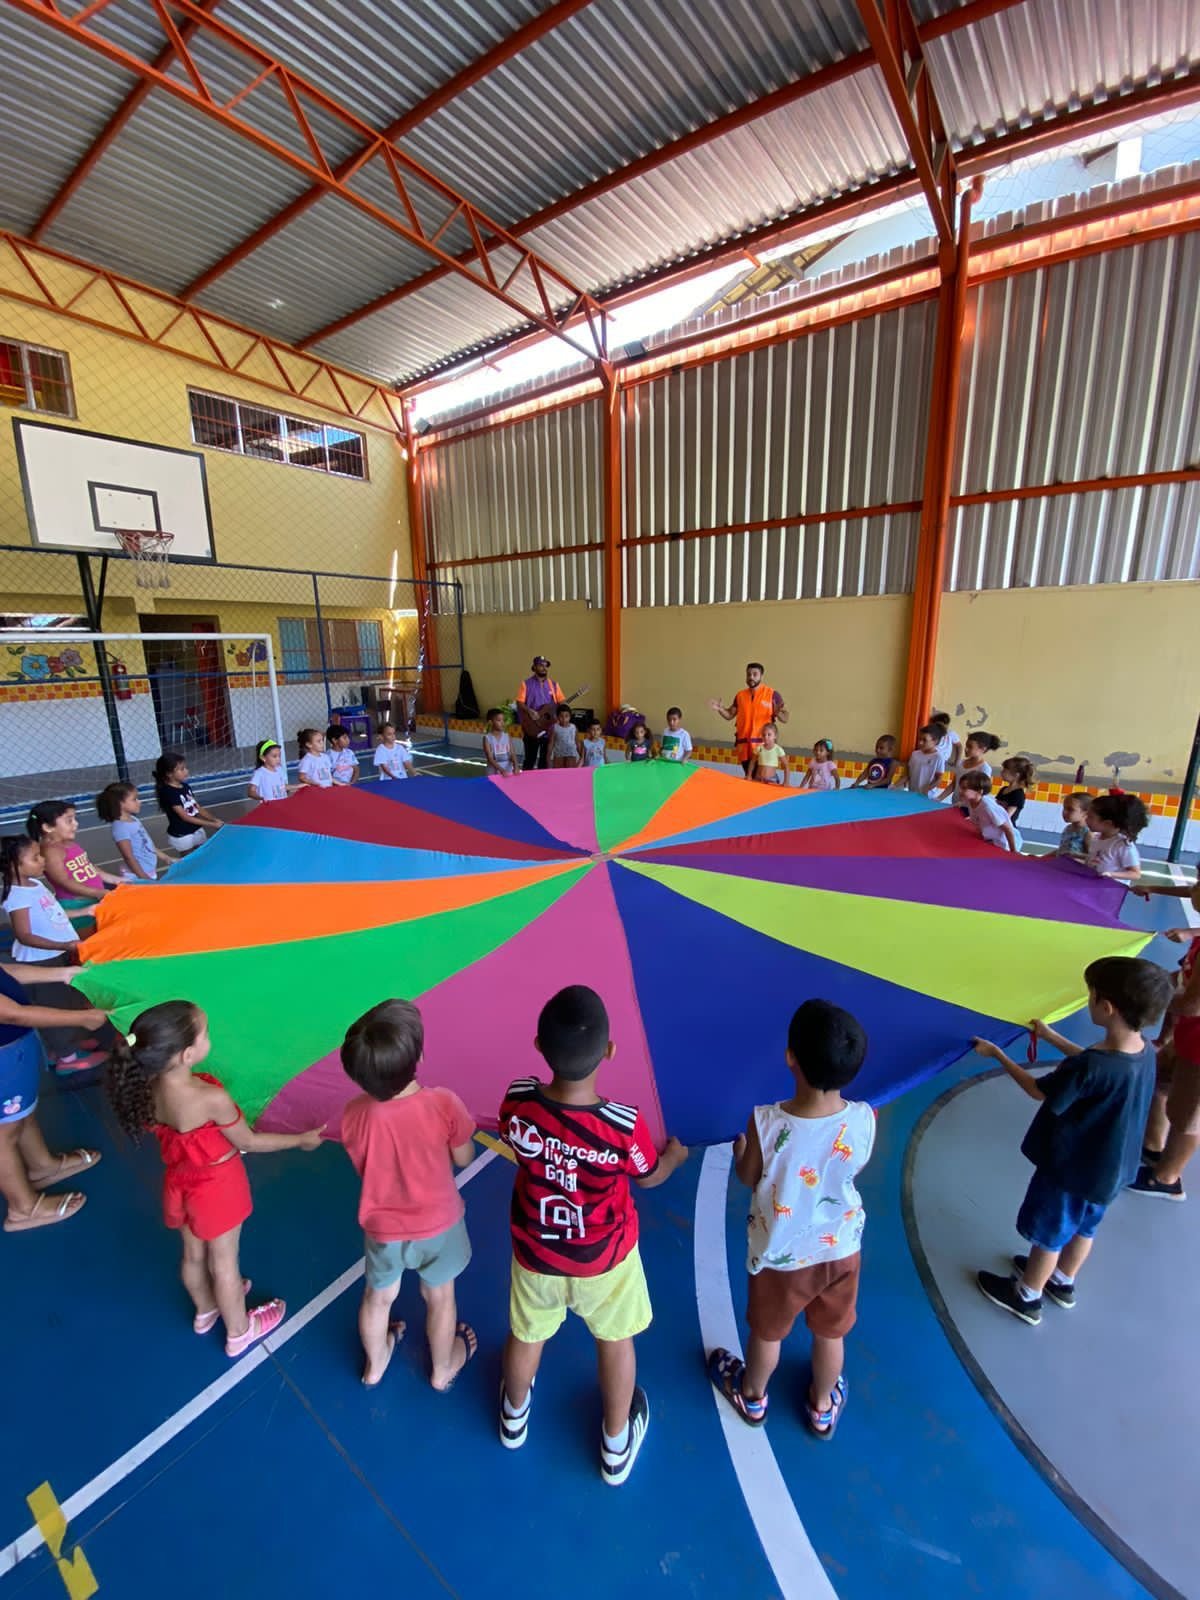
(466, 707)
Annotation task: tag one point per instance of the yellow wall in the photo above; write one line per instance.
(499, 648)
(264, 513)
(1078, 674)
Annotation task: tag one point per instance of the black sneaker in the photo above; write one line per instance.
(1063, 1294)
(1002, 1292)
(1147, 1183)
(616, 1465)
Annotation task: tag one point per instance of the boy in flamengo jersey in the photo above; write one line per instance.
(575, 1226)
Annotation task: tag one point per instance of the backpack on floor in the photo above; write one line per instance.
(466, 706)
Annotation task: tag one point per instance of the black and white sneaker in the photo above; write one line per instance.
(1003, 1292)
(1147, 1183)
(514, 1430)
(616, 1465)
(1063, 1294)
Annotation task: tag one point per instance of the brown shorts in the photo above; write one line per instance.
(826, 1293)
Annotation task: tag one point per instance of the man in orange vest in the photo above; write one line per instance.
(753, 707)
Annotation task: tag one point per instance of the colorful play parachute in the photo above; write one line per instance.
(703, 909)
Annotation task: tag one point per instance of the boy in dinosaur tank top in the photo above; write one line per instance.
(800, 1157)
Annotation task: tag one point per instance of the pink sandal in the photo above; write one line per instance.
(206, 1321)
(264, 1319)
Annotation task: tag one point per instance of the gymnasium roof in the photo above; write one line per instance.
(619, 141)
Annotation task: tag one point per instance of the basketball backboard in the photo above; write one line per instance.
(81, 487)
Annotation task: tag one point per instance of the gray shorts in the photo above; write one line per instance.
(435, 1261)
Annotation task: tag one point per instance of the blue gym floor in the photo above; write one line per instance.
(181, 1472)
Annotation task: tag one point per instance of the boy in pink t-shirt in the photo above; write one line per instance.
(402, 1139)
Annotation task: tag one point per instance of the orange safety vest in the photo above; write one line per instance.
(754, 708)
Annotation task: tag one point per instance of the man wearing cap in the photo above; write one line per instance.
(753, 707)
(536, 699)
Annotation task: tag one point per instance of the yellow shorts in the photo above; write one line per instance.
(615, 1305)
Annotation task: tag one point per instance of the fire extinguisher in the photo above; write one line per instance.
(119, 673)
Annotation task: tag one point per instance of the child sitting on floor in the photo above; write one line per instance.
(949, 746)
(202, 1137)
(393, 757)
(801, 1157)
(498, 747)
(343, 763)
(402, 1139)
(877, 774)
(821, 772)
(1115, 821)
(564, 740)
(925, 763)
(638, 746)
(973, 757)
(315, 770)
(69, 871)
(991, 821)
(1085, 1140)
(575, 1226)
(120, 805)
(769, 762)
(1016, 779)
(188, 822)
(593, 746)
(1074, 839)
(676, 741)
(270, 776)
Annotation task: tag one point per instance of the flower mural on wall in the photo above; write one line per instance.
(29, 665)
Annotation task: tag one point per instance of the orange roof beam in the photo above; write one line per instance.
(471, 74)
(533, 288)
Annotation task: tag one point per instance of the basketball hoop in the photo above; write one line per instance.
(150, 552)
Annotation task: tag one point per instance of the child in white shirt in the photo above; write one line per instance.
(822, 772)
(593, 746)
(676, 741)
(315, 768)
(925, 763)
(343, 763)
(498, 747)
(564, 740)
(992, 822)
(393, 757)
(269, 781)
(1115, 821)
(119, 805)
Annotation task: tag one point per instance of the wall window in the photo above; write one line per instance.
(352, 649)
(35, 379)
(219, 423)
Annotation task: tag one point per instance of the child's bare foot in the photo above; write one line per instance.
(67, 1165)
(464, 1335)
(47, 1208)
(373, 1375)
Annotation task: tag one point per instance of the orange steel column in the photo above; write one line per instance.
(432, 680)
(939, 473)
(610, 458)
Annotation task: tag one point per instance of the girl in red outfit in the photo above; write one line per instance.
(153, 1085)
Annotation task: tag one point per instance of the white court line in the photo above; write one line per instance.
(1190, 915)
(99, 1486)
(797, 1568)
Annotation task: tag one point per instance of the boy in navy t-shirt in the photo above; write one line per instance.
(1085, 1141)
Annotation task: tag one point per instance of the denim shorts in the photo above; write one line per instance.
(1050, 1217)
(435, 1261)
(20, 1064)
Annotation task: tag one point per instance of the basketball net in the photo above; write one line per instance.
(150, 553)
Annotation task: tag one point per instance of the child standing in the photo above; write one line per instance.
(878, 772)
(676, 741)
(402, 1139)
(925, 763)
(43, 936)
(1115, 821)
(822, 772)
(270, 776)
(768, 760)
(69, 871)
(594, 746)
(120, 805)
(498, 746)
(574, 1224)
(1074, 839)
(801, 1157)
(1085, 1140)
(949, 746)
(991, 821)
(564, 741)
(393, 758)
(1016, 779)
(188, 822)
(973, 757)
(638, 746)
(343, 763)
(315, 769)
(202, 1135)
(27, 1166)
(1173, 1127)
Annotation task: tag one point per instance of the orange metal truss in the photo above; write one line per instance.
(500, 265)
(54, 281)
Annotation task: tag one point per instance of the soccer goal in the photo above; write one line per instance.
(81, 709)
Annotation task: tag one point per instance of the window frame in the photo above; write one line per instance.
(282, 420)
(26, 347)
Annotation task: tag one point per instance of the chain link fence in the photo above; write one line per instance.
(190, 670)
